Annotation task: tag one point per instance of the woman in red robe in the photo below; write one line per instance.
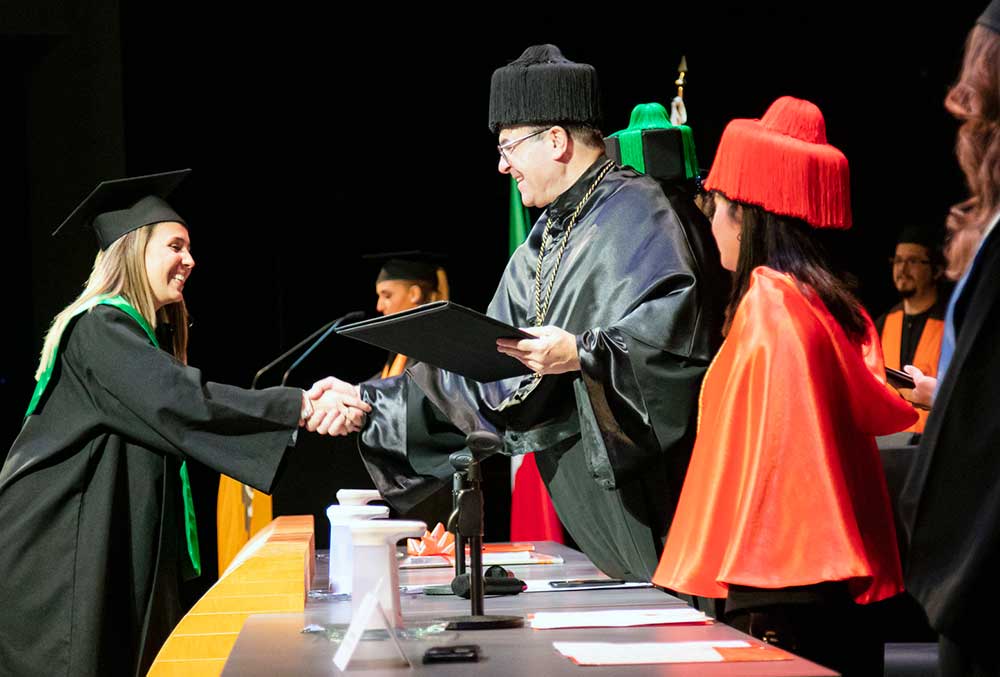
(784, 510)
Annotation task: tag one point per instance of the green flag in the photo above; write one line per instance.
(520, 222)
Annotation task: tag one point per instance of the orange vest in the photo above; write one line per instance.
(925, 358)
(396, 368)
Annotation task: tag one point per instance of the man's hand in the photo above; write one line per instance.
(553, 352)
(922, 394)
(337, 408)
(335, 384)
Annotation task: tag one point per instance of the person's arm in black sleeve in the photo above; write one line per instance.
(151, 397)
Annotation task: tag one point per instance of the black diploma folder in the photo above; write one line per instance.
(445, 335)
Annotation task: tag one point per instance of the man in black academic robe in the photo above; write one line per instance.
(635, 305)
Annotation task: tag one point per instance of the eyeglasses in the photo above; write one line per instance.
(509, 145)
(899, 261)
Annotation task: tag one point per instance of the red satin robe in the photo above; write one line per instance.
(785, 486)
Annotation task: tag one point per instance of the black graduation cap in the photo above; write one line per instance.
(922, 234)
(123, 205)
(991, 17)
(408, 265)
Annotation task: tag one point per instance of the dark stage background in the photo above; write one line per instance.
(319, 135)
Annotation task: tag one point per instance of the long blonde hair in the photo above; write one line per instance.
(121, 270)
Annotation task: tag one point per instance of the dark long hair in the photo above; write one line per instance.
(975, 100)
(792, 246)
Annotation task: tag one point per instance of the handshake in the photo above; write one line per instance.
(333, 407)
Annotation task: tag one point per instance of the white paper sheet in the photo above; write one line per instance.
(615, 618)
(489, 559)
(607, 653)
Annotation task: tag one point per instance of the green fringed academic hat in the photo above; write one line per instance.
(543, 87)
(652, 145)
(123, 205)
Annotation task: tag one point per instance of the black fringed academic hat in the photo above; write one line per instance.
(544, 87)
(123, 205)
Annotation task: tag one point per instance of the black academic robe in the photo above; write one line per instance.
(950, 505)
(641, 286)
(90, 508)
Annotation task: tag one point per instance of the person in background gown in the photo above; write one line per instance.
(911, 331)
(407, 280)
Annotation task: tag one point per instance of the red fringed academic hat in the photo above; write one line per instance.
(783, 163)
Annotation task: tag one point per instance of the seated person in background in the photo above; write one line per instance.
(407, 280)
(911, 331)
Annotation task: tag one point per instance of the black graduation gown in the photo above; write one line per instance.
(950, 505)
(90, 509)
(641, 286)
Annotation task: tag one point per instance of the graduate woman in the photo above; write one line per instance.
(784, 510)
(95, 516)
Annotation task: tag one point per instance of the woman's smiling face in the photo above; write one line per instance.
(168, 262)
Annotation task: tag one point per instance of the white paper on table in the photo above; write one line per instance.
(608, 653)
(542, 585)
(489, 559)
(615, 618)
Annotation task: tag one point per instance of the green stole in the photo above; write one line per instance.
(190, 524)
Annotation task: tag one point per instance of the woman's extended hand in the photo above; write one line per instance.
(337, 408)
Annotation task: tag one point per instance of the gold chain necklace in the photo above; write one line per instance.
(542, 307)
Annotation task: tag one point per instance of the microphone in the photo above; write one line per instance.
(350, 317)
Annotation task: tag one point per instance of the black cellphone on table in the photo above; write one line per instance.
(898, 379)
(457, 653)
(586, 583)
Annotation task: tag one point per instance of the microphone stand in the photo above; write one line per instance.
(466, 522)
(328, 328)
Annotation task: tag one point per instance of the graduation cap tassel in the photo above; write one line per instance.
(678, 113)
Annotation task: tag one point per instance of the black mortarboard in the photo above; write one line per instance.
(408, 265)
(931, 237)
(123, 205)
(927, 236)
(544, 87)
(991, 17)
